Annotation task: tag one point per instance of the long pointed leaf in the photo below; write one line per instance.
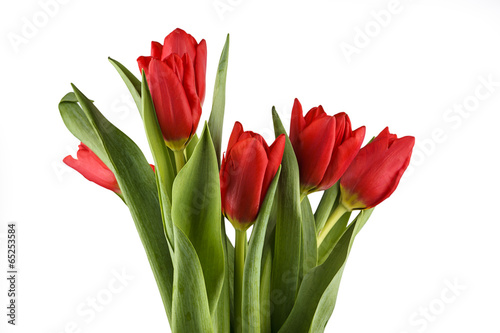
(79, 125)
(133, 84)
(309, 247)
(318, 292)
(137, 183)
(329, 298)
(332, 238)
(326, 206)
(191, 312)
(216, 119)
(163, 165)
(314, 285)
(196, 210)
(252, 271)
(286, 261)
(222, 318)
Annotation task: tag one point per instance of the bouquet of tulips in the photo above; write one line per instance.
(284, 276)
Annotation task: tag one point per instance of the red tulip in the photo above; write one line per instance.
(375, 172)
(92, 168)
(247, 170)
(324, 146)
(175, 72)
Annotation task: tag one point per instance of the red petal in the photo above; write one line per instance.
(156, 49)
(386, 137)
(171, 104)
(235, 135)
(314, 150)
(315, 113)
(200, 67)
(143, 63)
(179, 42)
(343, 127)
(190, 89)
(385, 179)
(297, 122)
(92, 168)
(176, 64)
(274, 156)
(342, 157)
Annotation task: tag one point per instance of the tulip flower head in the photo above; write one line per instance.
(247, 170)
(324, 146)
(375, 172)
(175, 72)
(91, 167)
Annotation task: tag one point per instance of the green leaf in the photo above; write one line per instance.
(309, 246)
(196, 210)
(326, 205)
(361, 219)
(132, 83)
(319, 289)
(252, 270)
(191, 146)
(219, 101)
(329, 298)
(78, 124)
(222, 319)
(286, 261)
(135, 178)
(163, 165)
(313, 287)
(191, 312)
(332, 238)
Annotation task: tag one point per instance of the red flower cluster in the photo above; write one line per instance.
(326, 147)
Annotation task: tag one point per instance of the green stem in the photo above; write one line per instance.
(239, 265)
(179, 159)
(334, 217)
(302, 195)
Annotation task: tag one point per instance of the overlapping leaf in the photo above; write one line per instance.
(286, 261)
(252, 271)
(219, 101)
(135, 178)
(196, 210)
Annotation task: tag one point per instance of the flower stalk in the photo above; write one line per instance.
(180, 160)
(239, 265)
(339, 211)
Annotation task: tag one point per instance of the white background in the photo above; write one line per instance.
(439, 228)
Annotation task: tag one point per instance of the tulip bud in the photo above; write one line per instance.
(247, 170)
(375, 172)
(175, 72)
(91, 167)
(324, 146)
